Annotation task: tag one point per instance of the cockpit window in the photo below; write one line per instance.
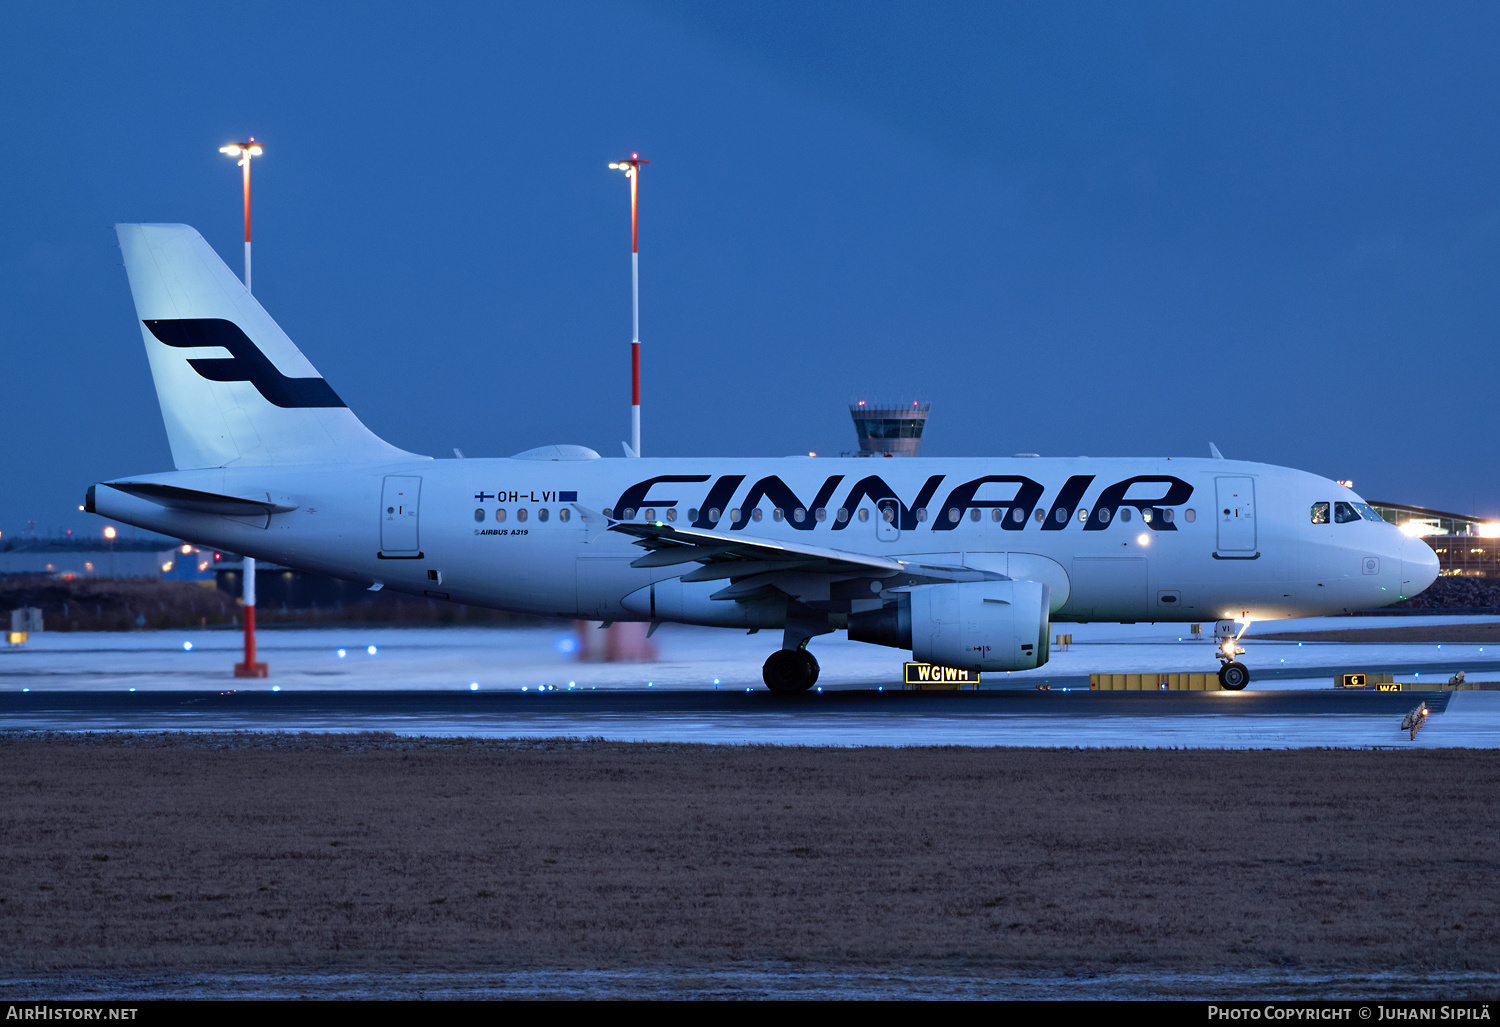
(1369, 513)
(1343, 513)
(1320, 513)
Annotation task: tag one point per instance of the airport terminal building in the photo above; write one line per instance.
(1466, 546)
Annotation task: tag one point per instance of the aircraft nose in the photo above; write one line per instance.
(1419, 566)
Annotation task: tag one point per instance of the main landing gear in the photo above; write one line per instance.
(1233, 675)
(790, 670)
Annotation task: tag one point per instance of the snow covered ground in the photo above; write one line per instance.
(468, 659)
(505, 658)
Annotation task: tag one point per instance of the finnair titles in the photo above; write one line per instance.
(966, 563)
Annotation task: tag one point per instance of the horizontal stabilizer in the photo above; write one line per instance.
(175, 498)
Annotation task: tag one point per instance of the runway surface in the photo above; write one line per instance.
(847, 717)
(705, 688)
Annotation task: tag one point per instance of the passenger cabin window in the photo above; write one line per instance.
(864, 514)
(671, 513)
(757, 514)
(500, 515)
(1320, 513)
(974, 514)
(692, 513)
(1125, 513)
(521, 514)
(479, 516)
(541, 514)
(564, 513)
(1343, 513)
(1190, 515)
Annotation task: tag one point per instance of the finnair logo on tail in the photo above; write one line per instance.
(245, 364)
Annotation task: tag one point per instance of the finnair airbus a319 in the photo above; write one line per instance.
(964, 562)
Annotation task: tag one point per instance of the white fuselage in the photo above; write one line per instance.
(1224, 539)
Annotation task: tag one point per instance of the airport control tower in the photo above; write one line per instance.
(888, 430)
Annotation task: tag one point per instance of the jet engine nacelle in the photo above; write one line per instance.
(971, 625)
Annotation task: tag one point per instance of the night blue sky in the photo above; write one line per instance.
(1109, 229)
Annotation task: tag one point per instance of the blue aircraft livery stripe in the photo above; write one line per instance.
(246, 362)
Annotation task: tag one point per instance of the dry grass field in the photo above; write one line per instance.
(368, 851)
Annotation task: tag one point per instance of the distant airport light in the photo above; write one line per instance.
(109, 532)
(1489, 530)
(187, 549)
(187, 647)
(370, 649)
(1346, 484)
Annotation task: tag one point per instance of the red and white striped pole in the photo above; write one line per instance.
(632, 169)
(248, 669)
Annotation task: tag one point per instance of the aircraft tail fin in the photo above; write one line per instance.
(233, 389)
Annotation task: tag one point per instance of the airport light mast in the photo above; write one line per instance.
(632, 169)
(249, 669)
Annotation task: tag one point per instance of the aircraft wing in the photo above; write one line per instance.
(757, 566)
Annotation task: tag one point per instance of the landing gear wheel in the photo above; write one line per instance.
(790, 670)
(1234, 676)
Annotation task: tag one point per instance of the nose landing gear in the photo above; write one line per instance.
(1233, 675)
